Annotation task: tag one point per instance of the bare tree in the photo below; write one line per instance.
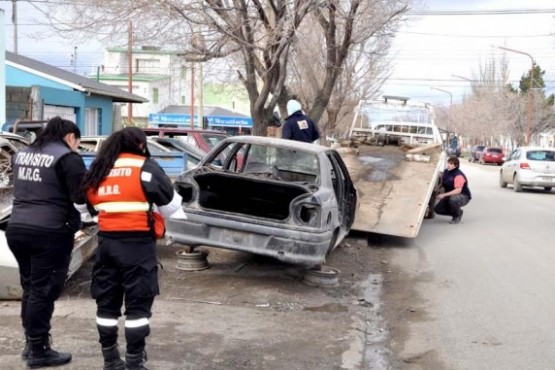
(256, 35)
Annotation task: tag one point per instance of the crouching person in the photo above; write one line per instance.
(130, 191)
(456, 192)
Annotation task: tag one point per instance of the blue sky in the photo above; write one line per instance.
(428, 50)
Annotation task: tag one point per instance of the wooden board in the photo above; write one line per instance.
(393, 192)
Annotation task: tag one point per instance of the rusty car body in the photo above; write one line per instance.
(280, 198)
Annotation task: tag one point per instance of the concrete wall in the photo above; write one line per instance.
(18, 103)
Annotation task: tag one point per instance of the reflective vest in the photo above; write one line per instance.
(120, 198)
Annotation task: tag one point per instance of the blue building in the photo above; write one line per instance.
(39, 91)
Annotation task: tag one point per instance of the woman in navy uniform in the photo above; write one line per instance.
(40, 233)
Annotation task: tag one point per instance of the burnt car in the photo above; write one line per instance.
(280, 198)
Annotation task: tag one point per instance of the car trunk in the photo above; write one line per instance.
(249, 196)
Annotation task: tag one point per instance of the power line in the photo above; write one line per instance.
(481, 12)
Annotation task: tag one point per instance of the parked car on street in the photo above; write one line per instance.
(204, 140)
(492, 155)
(281, 198)
(194, 154)
(529, 166)
(93, 144)
(172, 162)
(475, 153)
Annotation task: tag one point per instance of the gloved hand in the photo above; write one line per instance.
(86, 218)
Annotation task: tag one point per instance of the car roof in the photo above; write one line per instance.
(283, 143)
(528, 148)
(177, 130)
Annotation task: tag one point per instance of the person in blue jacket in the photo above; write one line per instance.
(298, 126)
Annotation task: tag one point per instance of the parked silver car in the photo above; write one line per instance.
(529, 166)
(280, 198)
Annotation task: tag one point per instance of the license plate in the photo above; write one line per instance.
(548, 179)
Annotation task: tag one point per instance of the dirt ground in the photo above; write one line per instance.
(245, 312)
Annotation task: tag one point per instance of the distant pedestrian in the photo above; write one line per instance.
(298, 126)
(131, 192)
(40, 233)
(456, 192)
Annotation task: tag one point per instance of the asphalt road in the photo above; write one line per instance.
(477, 295)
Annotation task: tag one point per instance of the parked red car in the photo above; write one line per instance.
(492, 155)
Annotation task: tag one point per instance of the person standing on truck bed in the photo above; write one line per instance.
(130, 191)
(40, 233)
(456, 192)
(298, 126)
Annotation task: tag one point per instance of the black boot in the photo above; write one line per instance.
(112, 361)
(135, 361)
(26, 349)
(42, 355)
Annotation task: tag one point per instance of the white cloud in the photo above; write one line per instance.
(432, 48)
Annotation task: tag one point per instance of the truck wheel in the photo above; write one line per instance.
(502, 183)
(517, 187)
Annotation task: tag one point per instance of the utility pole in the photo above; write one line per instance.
(192, 103)
(200, 98)
(74, 59)
(14, 21)
(450, 104)
(130, 72)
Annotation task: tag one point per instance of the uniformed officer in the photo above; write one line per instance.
(40, 233)
(130, 191)
(298, 126)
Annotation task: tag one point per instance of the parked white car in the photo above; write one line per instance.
(529, 166)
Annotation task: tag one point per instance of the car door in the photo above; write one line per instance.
(511, 166)
(345, 191)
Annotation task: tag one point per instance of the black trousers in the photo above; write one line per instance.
(43, 265)
(451, 205)
(125, 272)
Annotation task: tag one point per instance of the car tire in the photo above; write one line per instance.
(517, 187)
(547, 188)
(502, 183)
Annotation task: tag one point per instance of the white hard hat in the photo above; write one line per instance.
(293, 106)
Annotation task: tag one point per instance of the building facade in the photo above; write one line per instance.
(39, 91)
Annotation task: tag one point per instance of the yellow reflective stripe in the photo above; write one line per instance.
(118, 207)
(129, 162)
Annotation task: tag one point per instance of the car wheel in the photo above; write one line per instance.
(547, 188)
(517, 187)
(502, 182)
